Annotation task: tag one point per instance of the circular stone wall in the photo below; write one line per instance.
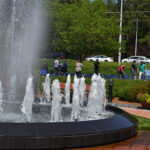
(68, 134)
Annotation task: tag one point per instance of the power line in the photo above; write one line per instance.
(138, 20)
(139, 3)
(116, 12)
(129, 3)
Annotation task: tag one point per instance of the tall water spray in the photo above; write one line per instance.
(11, 35)
(26, 107)
(76, 100)
(103, 82)
(1, 96)
(56, 102)
(100, 88)
(21, 31)
(12, 88)
(96, 97)
(92, 99)
(82, 90)
(46, 88)
(67, 90)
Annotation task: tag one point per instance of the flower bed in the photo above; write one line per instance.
(145, 100)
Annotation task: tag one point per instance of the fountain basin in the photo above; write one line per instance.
(68, 134)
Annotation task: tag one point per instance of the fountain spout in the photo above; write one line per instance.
(46, 88)
(26, 107)
(1, 96)
(56, 102)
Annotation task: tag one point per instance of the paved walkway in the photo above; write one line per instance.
(138, 112)
(139, 142)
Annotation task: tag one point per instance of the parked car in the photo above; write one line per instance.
(138, 59)
(130, 59)
(143, 59)
(101, 58)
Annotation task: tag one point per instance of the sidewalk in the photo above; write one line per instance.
(138, 112)
(132, 108)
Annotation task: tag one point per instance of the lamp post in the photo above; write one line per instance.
(136, 36)
(120, 35)
(110, 83)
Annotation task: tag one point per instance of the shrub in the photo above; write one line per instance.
(145, 98)
(149, 88)
(128, 90)
(136, 92)
(122, 87)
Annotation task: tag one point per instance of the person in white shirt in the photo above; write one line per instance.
(79, 66)
(56, 65)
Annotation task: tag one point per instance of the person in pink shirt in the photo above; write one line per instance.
(121, 71)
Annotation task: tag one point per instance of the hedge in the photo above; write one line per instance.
(127, 90)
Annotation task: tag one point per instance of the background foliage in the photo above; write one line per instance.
(82, 28)
(131, 11)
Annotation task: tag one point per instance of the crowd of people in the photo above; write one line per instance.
(62, 68)
(141, 70)
(59, 68)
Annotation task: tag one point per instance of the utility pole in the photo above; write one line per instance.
(120, 35)
(136, 36)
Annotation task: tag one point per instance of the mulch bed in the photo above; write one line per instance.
(116, 100)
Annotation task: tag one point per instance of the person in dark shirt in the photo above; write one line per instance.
(96, 67)
(133, 70)
(64, 67)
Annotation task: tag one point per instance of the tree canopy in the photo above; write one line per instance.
(81, 29)
(131, 11)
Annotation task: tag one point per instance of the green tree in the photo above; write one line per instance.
(131, 11)
(81, 29)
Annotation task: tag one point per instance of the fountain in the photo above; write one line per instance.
(56, 102)
(46, 88)
(12, 88)
(1, 96)
(82, 91)
(67, 90)
(76, 103)
(26, 107)
(25, 123)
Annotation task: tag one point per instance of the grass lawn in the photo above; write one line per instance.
(144, 123)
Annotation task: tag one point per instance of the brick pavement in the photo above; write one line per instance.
(138, 112)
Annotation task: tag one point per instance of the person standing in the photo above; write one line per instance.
(96, 67)
(64, 67)
(56, 65)
(133, 70)
(121, 71)
(44, 70)
(141, 69)
(79, 66)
